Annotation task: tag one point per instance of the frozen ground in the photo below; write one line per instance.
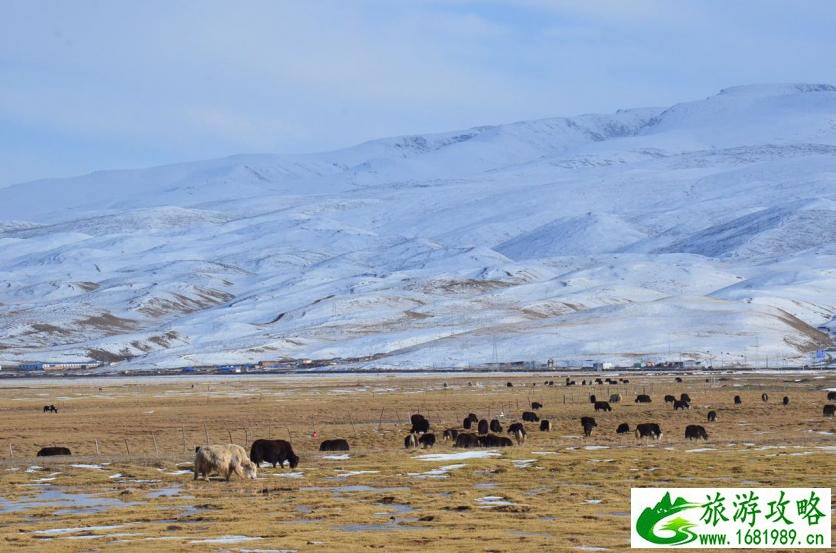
(707, 228)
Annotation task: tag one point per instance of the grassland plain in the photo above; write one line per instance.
(128, 485)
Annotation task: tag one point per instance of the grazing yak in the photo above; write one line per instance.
(828, 410)
(764, 397)
(602, 406)
(643, 398)
(545, 425)
(426, 440)
(615, 398)
(786, 400)
(648, 429)
(685, 397)
(467, 423)
(473, 418)
(483, 427)
(678, 379)
(223, 460)
(712, 416)
(509, 385)
(831, 396)
(623, 428)
(496, 426)
(410, 441)
(419, 424)
(588, 423)
(737, 400)
(51, 451)
(517, 430)
(467, 439)
(492, 440)
(530, 416)
(679, 404)
(338, 444)
(273, 451)
(625, 380)
(695, 432)
(669, 398)
(50, 409)
(450, 434)
(535, 405)
(592, 398)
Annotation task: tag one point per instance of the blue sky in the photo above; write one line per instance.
(87, 85)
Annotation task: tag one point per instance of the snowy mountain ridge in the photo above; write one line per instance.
(707, 228)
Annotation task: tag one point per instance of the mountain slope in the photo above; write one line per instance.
(701, 228)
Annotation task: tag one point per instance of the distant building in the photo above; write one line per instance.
(64, 365)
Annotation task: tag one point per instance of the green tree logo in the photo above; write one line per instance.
(681, 528)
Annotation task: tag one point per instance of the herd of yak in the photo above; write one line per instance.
(474, 432)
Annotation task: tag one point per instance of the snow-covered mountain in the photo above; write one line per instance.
(707, 228)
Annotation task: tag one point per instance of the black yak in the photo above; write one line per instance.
(529, 416)
(50, 451)
(695, 432)
(338, 444)
(648, 429)
(274, 452)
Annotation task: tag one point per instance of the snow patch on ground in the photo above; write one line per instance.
(458, 456)
(226, 539)
(440, 472)
(490, 501)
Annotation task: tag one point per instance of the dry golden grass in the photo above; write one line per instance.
(568, 497)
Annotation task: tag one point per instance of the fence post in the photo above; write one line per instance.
(229, 433)
(97, 446)
(206, 433)
(11, 451)
(183, 432)
(156, 451)
(380, 418)
(126, 447)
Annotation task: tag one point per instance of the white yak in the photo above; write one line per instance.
(223, 460)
